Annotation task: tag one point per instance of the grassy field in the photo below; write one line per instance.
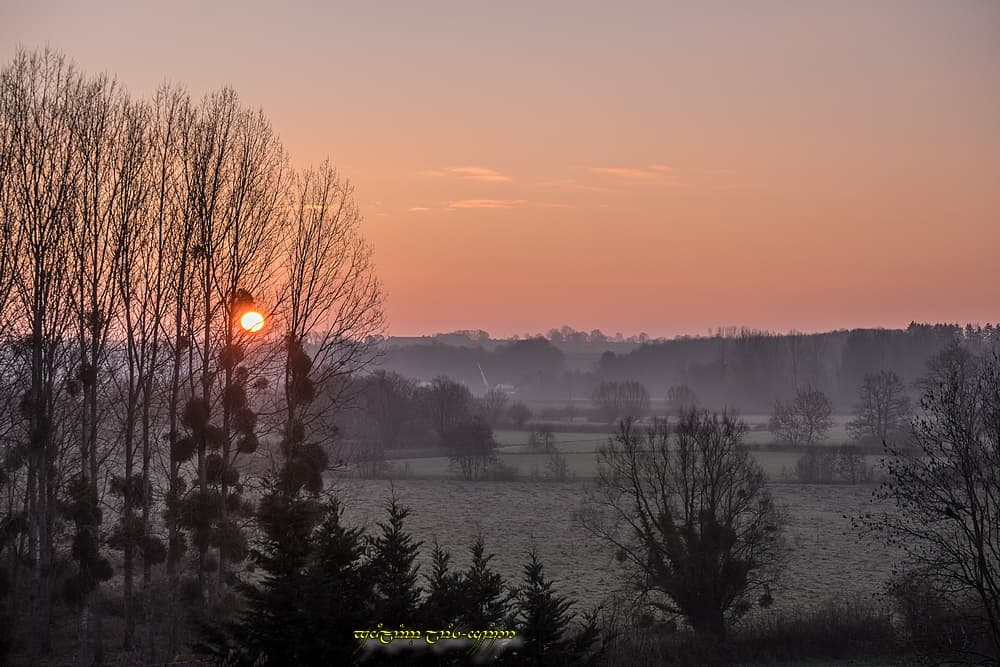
(580, 450)
(757, 433)
(582, 464)
(826, 559)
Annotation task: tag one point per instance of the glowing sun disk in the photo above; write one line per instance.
(252, 321)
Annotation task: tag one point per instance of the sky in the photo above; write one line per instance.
(662, 167)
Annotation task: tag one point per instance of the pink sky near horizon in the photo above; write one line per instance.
(657, 167)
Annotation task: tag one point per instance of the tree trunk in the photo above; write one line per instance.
(709, 624)
(147, 531)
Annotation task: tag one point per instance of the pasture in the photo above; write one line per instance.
(825, 560)
(580, 450)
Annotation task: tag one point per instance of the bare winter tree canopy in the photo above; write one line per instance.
(681, 397)
(688, 511)
(493, 406)
(945, 501)
(883, 409)
(617, 400)
(803, 421)
(142, 231)
(448, 403)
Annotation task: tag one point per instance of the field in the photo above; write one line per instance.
(580, 448)
(826, 558)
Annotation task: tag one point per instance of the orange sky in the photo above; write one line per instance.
(659, 167)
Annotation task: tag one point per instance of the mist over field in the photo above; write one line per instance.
(455, 333)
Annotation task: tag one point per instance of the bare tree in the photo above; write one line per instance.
(177, 230)
(681, 397)
(795, 341)
(689, 515)
(818, 465)
(138, 284)
(10, 239)
(387, 400)
(851, 465)
(471, 447)
(132, 237)
(616, 400)
(883, 409)
(542, 439)
(945, 501)
(206, 171)
(331, 308)
(519, 414)
(493, 406)
(113, 138)
(449, 404)
(161, 246)
(41, 105)
(804, 421)
(252, 209)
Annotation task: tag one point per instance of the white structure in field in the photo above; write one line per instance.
(507, 389)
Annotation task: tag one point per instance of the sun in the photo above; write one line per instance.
(252, 321)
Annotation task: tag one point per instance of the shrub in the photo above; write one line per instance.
(842, 627)
(501, 472)
(556, 468)
(825, 465)
(519, 414)
(542, 439)
(934, 625)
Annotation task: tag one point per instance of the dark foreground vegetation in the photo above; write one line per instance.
(164, 484)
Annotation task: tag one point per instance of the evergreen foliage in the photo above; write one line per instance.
(394, 552)
(545, 620)
(486, 597)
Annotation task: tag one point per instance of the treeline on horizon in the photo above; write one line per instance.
(745, 369)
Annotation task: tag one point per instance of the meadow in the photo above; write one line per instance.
(826, 559)
(580, 449)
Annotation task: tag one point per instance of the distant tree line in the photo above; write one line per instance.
(742, 368)
(394, 412)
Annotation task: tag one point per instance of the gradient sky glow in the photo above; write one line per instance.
(652, 166)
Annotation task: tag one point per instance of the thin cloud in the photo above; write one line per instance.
(487, 203)
(484, 174)
(504, 204)
(417, 209)
(625, 172)
(571, 184)
(660, 167)
(472, 173)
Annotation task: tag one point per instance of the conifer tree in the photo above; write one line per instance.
(313, 594)
(486, 597)
(443, 604)
(394, 552)
(340, 589)
(544, 620)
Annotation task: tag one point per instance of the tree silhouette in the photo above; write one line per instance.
(945, 501)
(689, 514)
(545, 620)
(882, 410)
